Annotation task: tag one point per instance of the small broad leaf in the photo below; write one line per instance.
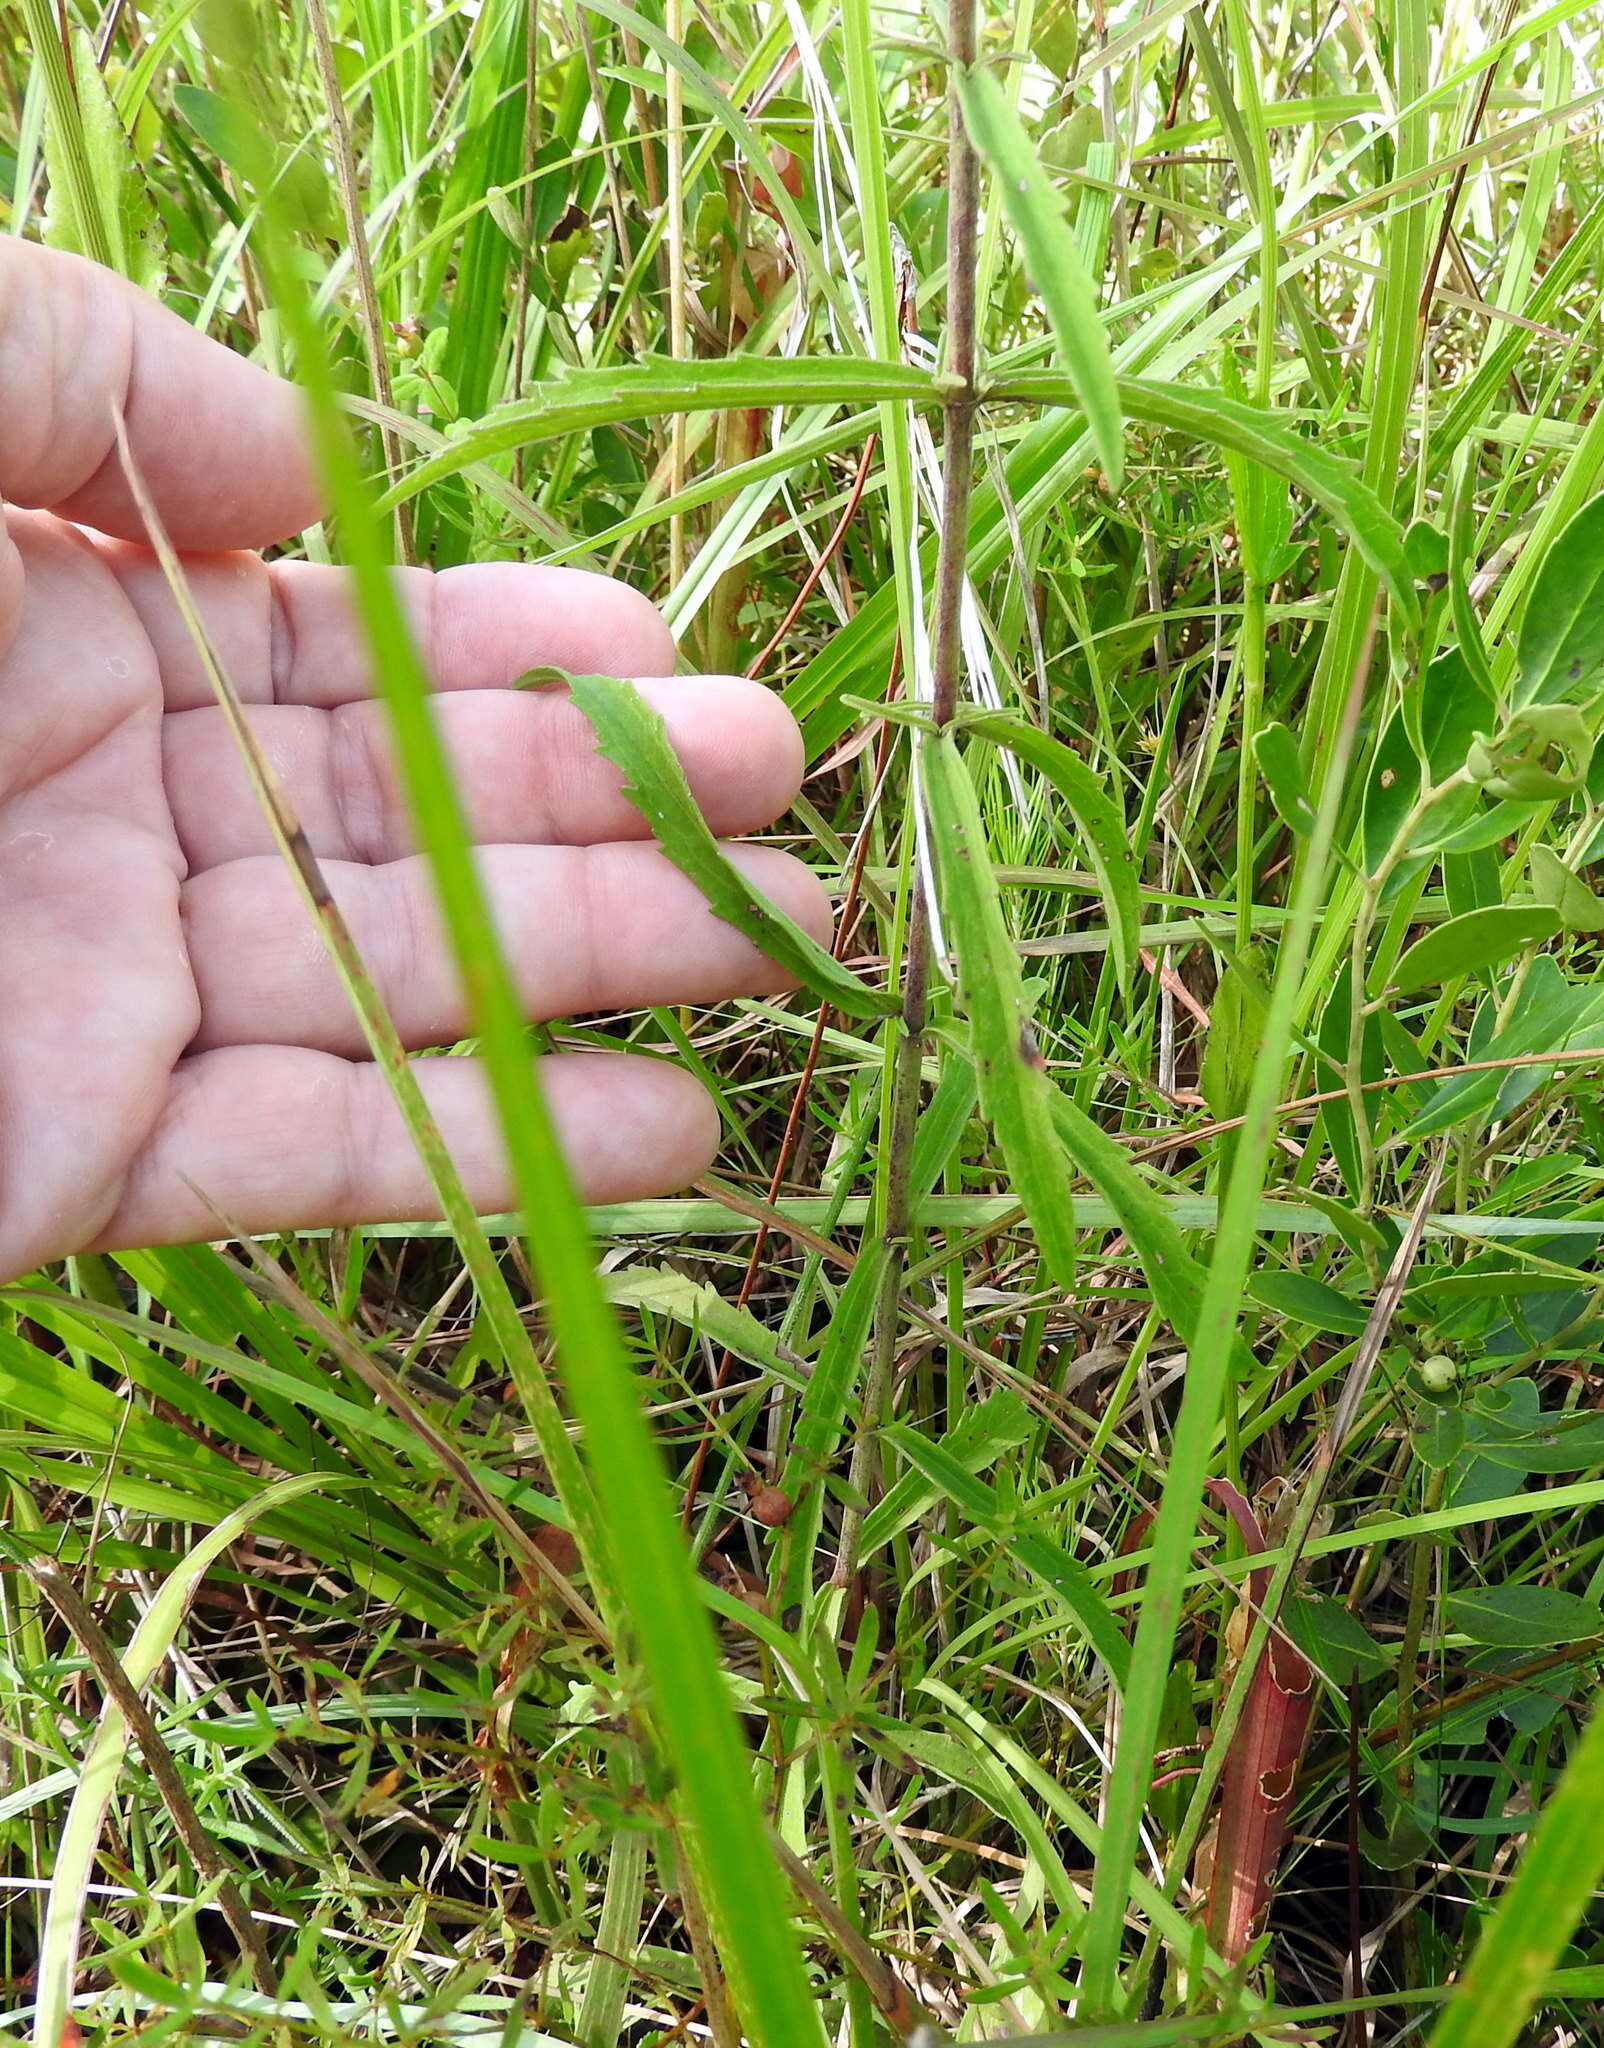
(1524, 1617)
(632, 736)
(1427, 549)
(1281, 767)
(1302, 1299)
(1102, 827)
(1567, 894)
(1440, 1438)
(1052, 256)
(1478, 939)
(1332, 1639)
(1562, 633)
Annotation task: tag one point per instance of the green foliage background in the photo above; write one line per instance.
(1254, 1141)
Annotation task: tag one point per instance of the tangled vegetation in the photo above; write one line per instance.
(1129, 1393)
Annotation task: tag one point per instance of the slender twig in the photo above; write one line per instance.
(811, 581)
(209, 1863)
(958, 450)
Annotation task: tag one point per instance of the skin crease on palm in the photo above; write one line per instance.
(168, 1018)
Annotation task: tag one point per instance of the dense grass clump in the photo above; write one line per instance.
(1132, 1556)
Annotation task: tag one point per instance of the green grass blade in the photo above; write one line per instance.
(79, 1841)
(637, 1559)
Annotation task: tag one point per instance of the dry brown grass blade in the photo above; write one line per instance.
(107, 1667)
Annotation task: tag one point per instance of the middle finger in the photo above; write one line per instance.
(525, 762)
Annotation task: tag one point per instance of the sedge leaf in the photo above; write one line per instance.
(631, 735)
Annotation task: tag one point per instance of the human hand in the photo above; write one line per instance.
(168, 1015)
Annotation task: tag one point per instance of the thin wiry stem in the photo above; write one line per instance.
(361, 259)
(958, 461)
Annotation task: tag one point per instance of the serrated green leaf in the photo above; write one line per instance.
(1102, 827)
(632, 736)
(1052, 256)
(1328, 479)
(655, 388)
(100, 204)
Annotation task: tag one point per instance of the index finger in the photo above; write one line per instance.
(218, 440)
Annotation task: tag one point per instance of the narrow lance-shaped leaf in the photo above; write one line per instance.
(1142, 1213)
(655, 388)
(1102, 827)
(1210, 416)
(1039, 1554)
(1015, 1092)
(631, 734)
(1052, 256)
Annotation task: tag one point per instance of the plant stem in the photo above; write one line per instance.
(361, 260)
(958, 414)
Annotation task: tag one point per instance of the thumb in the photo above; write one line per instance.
(218, 441)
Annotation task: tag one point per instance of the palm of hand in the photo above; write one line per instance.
(170, 1022)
